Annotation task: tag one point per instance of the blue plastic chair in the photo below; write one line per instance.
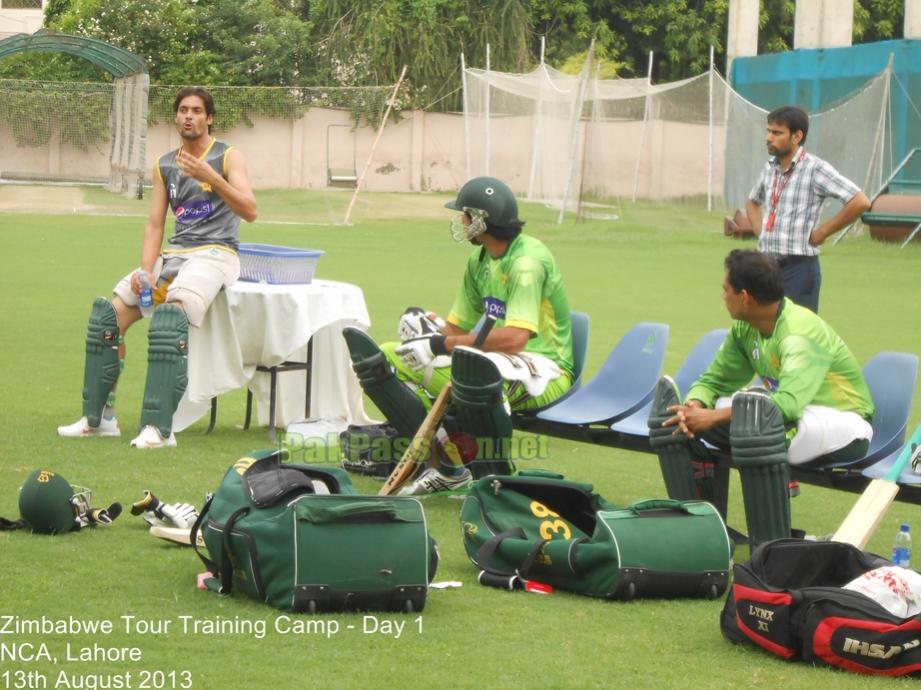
(693, 366)
(881, 468)
(891, 378)
(624, 384)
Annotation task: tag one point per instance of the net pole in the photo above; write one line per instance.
(487, 119)
(575, 119)
(639, 155)
(710, 136)
(464, 98)
(538, 112)
(377, 138)
(589, 129)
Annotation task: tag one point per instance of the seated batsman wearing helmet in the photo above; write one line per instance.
(528, 354)
(205, 183)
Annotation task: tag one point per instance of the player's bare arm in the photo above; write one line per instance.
(235, 189)
(508, 339)
(153, 233)
(753, 211)
(851, 211)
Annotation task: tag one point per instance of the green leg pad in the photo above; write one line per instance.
(102, 366)
(402, 408)
(675, 458)
(759, 449)
(167, 367)
(476, 392)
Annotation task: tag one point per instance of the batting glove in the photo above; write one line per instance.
(416, 322)
(159, 514)
(99, 516)
(419, 353)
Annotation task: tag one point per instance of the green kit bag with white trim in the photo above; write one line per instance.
(298, 538)
(537, 526)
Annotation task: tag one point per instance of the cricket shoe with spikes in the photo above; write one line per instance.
(431, 480)
(82, 429)
(150, 438)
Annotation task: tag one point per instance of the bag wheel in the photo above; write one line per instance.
(312, 606)
(408, 606)
(630, 592)
(712, 592)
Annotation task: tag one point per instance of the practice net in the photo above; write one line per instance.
(580, 143)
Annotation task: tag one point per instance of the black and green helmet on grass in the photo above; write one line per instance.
(50, 504)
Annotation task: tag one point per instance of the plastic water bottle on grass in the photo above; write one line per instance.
(901, 548)
(146, 296)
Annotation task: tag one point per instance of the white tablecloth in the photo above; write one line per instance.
(252, 324)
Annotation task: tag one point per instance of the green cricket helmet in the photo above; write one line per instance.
(50, 504)
(491, 207)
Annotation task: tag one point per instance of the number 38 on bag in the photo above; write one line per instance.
(550, 528)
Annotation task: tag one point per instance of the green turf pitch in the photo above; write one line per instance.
(658, 263)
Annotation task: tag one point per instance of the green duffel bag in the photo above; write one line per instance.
(298, 538)
(537, 526)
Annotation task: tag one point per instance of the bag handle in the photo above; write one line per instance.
(660, 504)
(547, 474)
(348, 512)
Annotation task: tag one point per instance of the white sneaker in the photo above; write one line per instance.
(431, 480)
(82, 429)
(150, 438)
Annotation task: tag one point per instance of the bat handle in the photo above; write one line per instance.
(487, 326)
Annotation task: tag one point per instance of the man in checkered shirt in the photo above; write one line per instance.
(784, 205)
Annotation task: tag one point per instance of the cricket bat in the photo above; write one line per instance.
(871, 507)
(177, 535)
(425, 435)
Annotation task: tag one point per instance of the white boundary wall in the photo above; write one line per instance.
(423, 151)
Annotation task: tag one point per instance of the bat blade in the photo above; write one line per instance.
(420, 445)
(874, 502)
(177, 535)
(425, 435)
(867, 513)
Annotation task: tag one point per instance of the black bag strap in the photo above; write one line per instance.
(576, 570)
(488, 550)
(193, 535)
(10, 525)
(226, 557)
(525, 568)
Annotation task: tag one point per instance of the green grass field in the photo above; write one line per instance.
(658, 263)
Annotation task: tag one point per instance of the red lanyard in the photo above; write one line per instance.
(777, 189)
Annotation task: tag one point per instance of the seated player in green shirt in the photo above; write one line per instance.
(815, 402)
(509, 275)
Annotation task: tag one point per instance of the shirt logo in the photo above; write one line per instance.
(756, 353)
(771, 384)
(194, 210)
(494, 307)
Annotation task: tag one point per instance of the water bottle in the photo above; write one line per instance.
(146, 297)
(901, 548)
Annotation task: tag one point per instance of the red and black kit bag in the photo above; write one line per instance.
(788, 599)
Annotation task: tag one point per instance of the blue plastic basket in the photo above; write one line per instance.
(269, 263)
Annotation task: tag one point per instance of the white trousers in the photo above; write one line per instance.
(820, 431)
